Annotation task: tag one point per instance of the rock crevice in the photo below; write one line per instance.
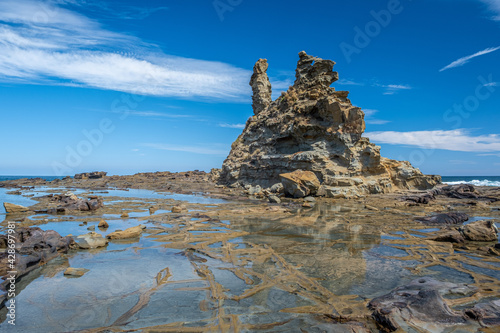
(313, 127)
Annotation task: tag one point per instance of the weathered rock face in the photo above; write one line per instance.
(313, 128)
(419, 306)
(480, 231)
(299, 184)
(91, 175)
(260, 86)
(69, 202)
(34, 247)
(13, 208)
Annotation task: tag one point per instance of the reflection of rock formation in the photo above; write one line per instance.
(319, 242)
(313, 127)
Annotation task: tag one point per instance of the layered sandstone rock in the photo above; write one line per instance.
(313, 127)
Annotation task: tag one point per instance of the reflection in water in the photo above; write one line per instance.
(281, 272)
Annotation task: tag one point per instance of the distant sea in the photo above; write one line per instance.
(473, 180)
(47, 178)
(451, 180)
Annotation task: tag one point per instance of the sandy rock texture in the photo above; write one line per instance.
(312, 127)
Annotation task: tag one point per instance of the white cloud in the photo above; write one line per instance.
(42, 42)
(240, 126)
(455, 140)
(494, 6)
(157, 114)
(464, 60)
(370, 117)
(189, 149)
(346, 82)
(491, 84)
(391, 89)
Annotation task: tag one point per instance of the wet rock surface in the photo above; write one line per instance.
(91, 240)
(13, 208)
(480, 231)
(33, 247)
(250, 265)
(444, 219)
(420, 305)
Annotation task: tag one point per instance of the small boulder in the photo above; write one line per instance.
(480, 231)
(451, 236)
(103, 224)
(13, 208)
(299, 183)
(277, 188)
(133, 232)
(76, 272)
(274, 199)
(124, 215)
(178, 209)
(308, 205)
(92, 240)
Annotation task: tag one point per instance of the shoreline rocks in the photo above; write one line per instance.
(13, 208)
(132, 232)
(420, 304)
(34, 247)
(92, 240)
(91, 175)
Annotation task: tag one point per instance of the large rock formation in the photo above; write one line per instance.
(312, 127)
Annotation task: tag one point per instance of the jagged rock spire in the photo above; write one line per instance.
(312, 127)
(261, 86)
(314, 72)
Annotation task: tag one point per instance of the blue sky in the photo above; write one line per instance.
(134, 86)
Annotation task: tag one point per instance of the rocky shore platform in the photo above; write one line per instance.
(179, 252)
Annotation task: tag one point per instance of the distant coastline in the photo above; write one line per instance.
(451, 180)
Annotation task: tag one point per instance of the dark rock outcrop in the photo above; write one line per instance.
(313, 127)
(34, 247)
(420, 304)
(444, 219)
(91, 175)
(69, 202)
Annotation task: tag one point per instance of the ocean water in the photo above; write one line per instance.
(473, 180)
(47, 178)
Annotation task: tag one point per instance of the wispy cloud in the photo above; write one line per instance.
(370, 117)
(114, 9)
(347, 82)
(455, 140)
(493, 6)
(157, 114)
(42, 42)
(240, 126)
(189, 149)
(391, 89)
(464, 60)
